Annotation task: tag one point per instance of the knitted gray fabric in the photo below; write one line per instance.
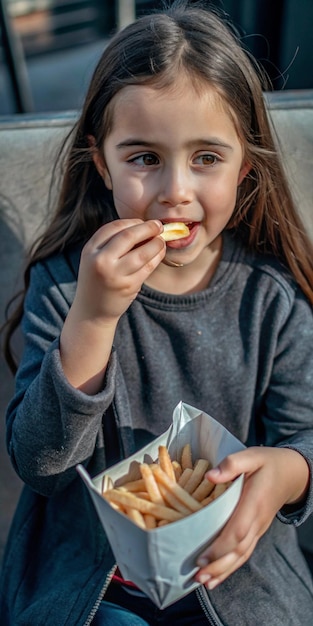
(240, 350)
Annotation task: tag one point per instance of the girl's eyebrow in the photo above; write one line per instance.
(209, 141)
(133, 142)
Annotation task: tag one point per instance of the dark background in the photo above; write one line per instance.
(58, 42)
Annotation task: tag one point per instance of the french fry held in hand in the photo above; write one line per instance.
(175, 230)
(167, 490)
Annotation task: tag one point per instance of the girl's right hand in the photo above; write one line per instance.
(115, 262)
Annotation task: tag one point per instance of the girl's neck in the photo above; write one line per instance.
(189, 278)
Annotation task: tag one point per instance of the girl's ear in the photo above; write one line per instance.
(99, 162)
(245, 169)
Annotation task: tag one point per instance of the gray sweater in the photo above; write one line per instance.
(240, 350)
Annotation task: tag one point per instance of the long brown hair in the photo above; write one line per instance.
(154, 50)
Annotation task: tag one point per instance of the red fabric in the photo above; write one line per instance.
(118, 578)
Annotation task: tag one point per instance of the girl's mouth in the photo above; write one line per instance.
(174, 230)
(185, 241)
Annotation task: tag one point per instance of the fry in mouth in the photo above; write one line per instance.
(175, 230)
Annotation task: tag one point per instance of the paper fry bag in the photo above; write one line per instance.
(161, 562)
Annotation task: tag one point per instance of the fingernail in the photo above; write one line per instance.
(202, 562)
(204, 578)
(214, 472)
(212, 584)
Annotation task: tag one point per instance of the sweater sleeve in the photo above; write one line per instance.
(51, 426)
(288, 415)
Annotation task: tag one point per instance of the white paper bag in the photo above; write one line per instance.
(161, 562)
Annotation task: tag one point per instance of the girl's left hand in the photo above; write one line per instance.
(273, 477)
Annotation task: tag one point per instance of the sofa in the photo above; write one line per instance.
(28, 147)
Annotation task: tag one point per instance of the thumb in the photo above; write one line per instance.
(233, 465)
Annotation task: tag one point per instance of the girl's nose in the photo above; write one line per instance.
(176, 187)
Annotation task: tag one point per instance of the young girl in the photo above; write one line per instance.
(120, 326)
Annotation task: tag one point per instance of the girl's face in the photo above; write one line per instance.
(174, 155)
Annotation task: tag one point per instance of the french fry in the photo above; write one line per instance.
(175, 230)
(185, 476)
(176, 490)
(136, 517)
(117, 507)
(186, 457)
(194, 480)
(134, 485)
(206, 501)
(141, 494)
(144, 506)
(156, 494)
(219, 489)
(173, 501)
(166, 463)
(150, 521)
(177, 469)
(215, 493)
(203, 490)
(106, 483)
(150, 484)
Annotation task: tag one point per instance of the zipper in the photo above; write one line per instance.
(207, 607)
(100, 596)
(201, 594)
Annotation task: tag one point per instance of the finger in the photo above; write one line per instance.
(244, 462)
(219, 569)
(146, 257)
(120, 241)
(228, 565)
(109, 230)
(239, 537)
(211, 560)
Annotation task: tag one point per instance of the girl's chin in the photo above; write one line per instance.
(199, 254)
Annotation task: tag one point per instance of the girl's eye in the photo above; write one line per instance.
(145, 160)
(206, 159)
